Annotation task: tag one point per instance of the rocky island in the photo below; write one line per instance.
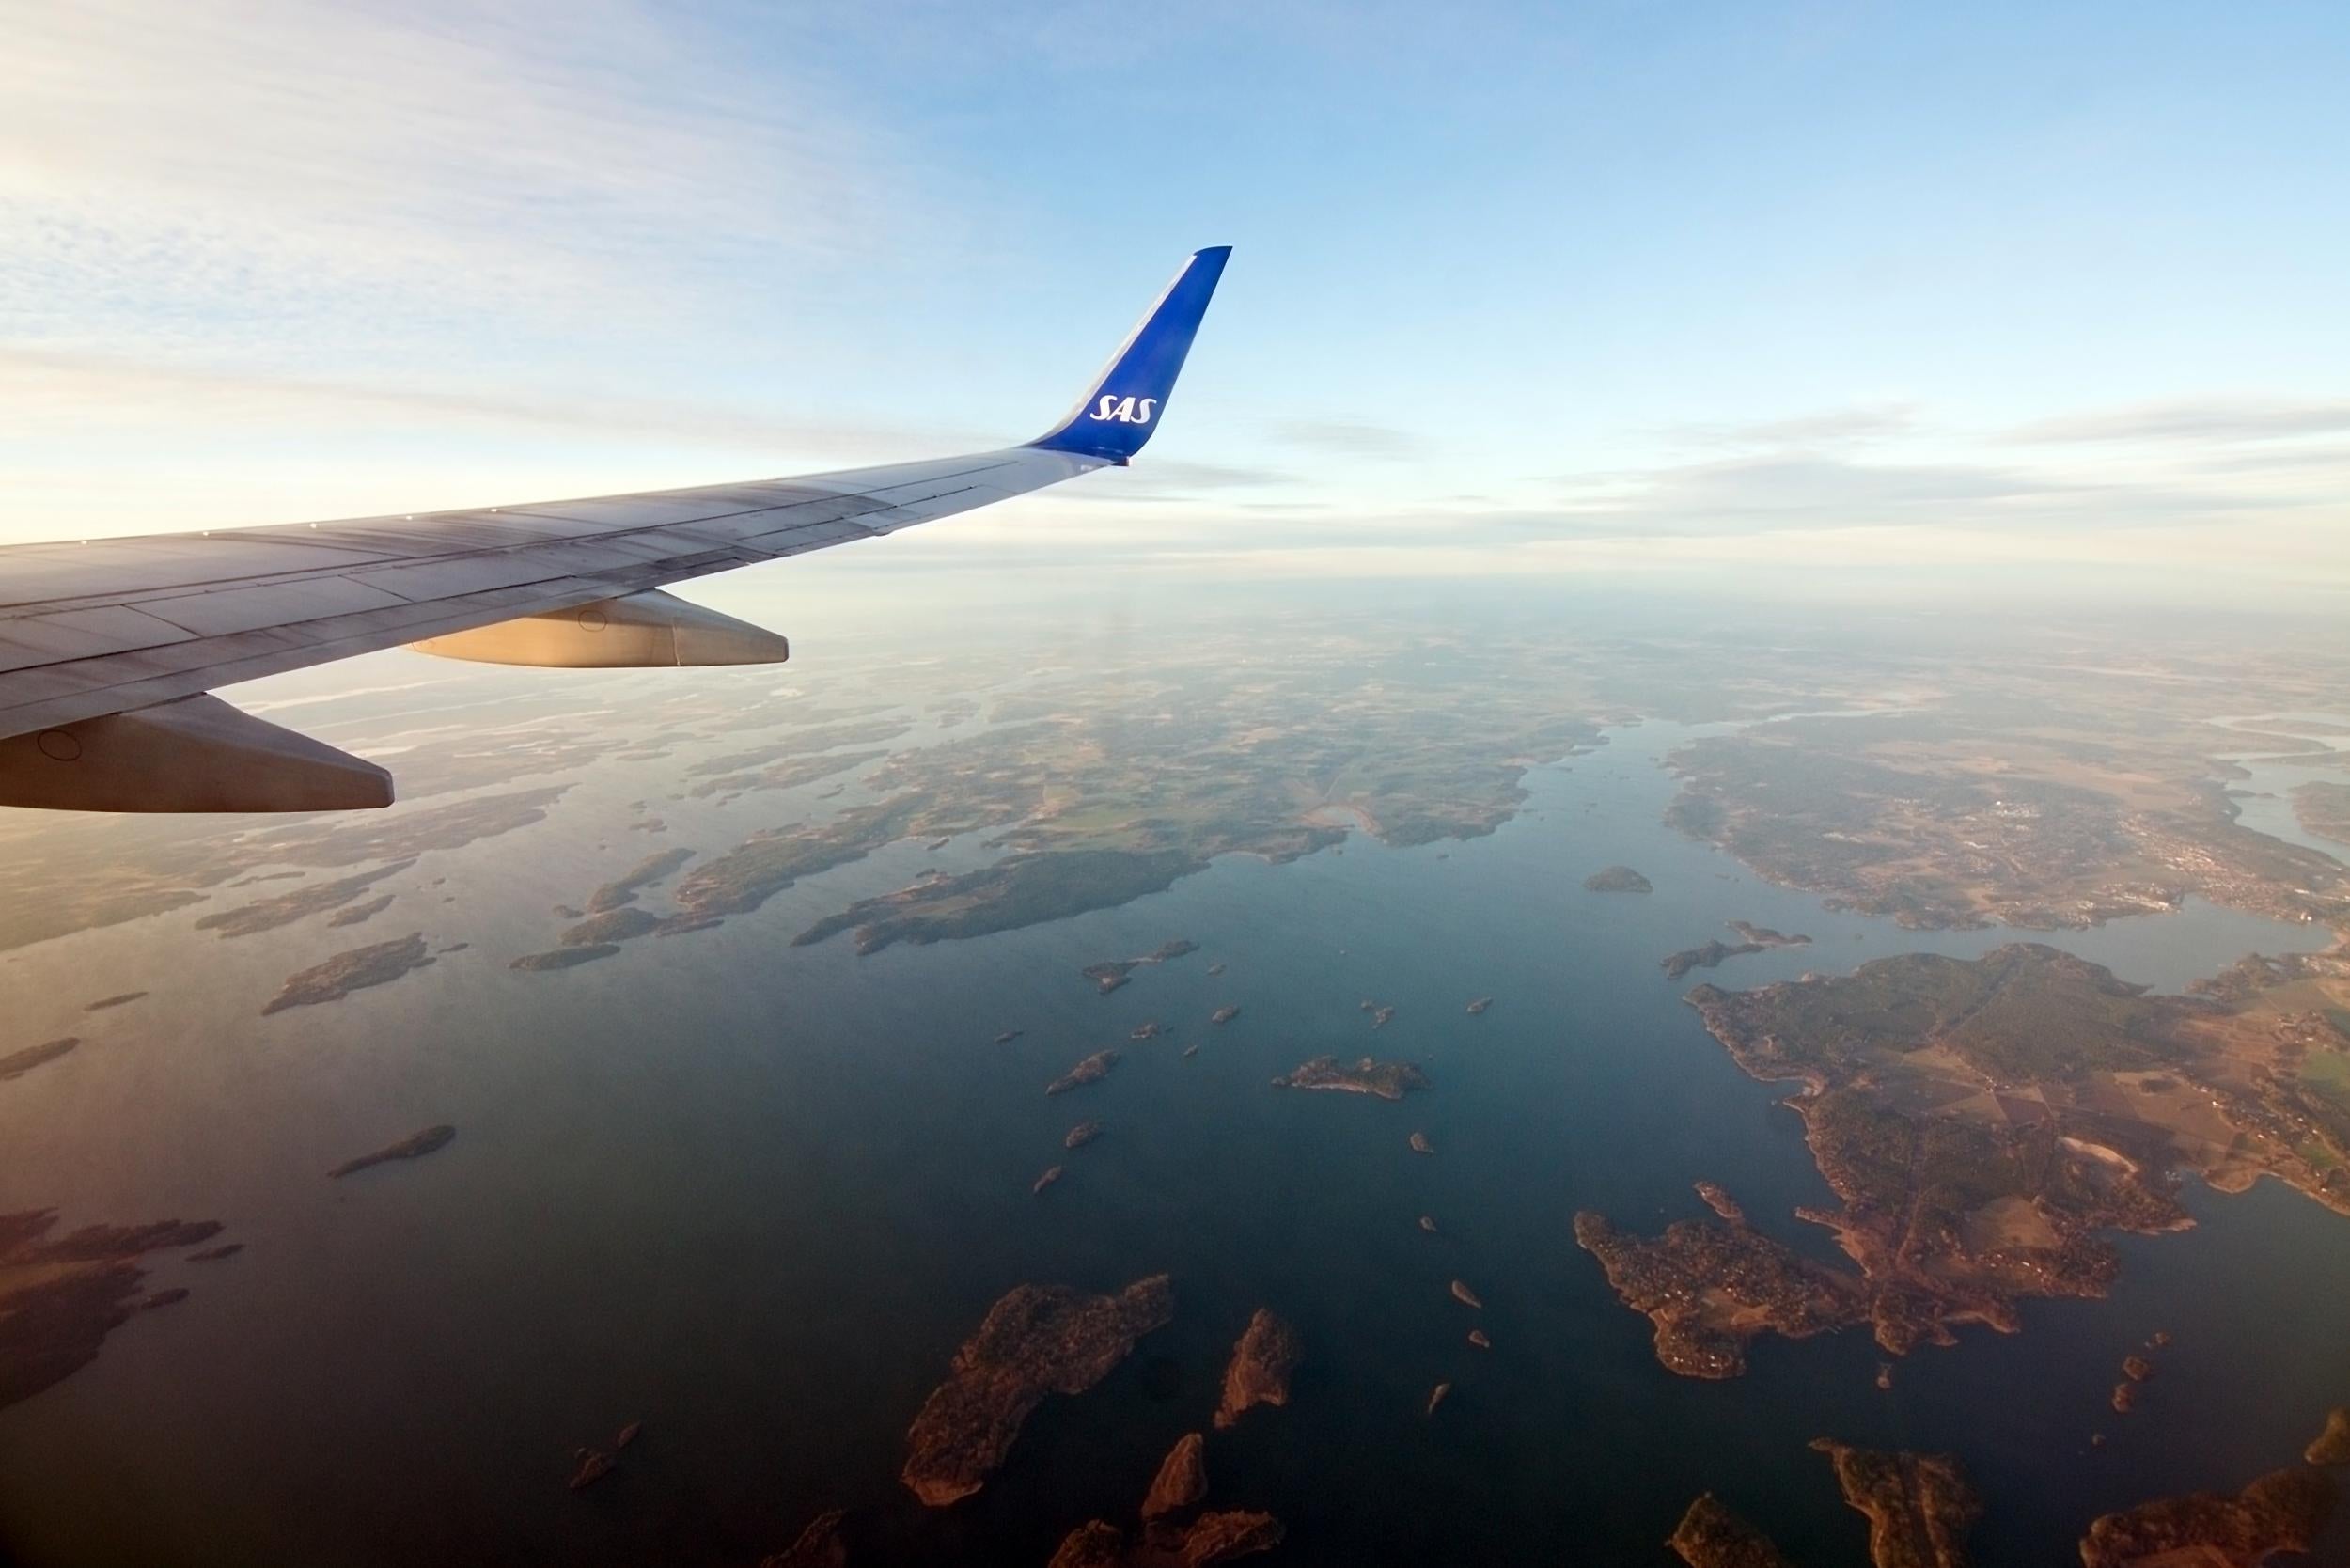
(1091, 1070)
(1183, 1478)
(1617, 879)
(346, 972)
(2282, 1511)
(1081, 1135)
(1263, 1361)
(1389, 1080)
(1712, 1535)
(1704, 956)
(1038, 1340)
(17, 1063)
(1211, 1538)
(2331, 1446)
(1224, 1015)
(1920, 1507)
(415, 1145)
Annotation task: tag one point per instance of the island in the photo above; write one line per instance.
(1037, 1339)
(1704, 956)
(415, 1145)
(1982, 1123)
(1183, 1478)
(214, 1254)
(1718, 1200)
(1480, 1004)
(1081, 1135)
(2331, 1446)
(269, 914)
(60, 1297)
(1920, 1507)
(819, 1544)
(1051, 1175)
(1712, 1535)
(1420, 1145)
(1265, 1356)
(1111, 974)
(1211, 1538)
(1435, 1397)
(1763, 936)
(564, 958)
(1224, 1015)
(1617, 879)
(1465, 1296)
(1018, 890)
(118, 1000)
(346, 972)
(1091, 1070)
(2280, 1511)
(360, 914)
(17, 1063)
(1389, 1080)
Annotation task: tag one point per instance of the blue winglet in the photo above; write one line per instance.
(1117, 417)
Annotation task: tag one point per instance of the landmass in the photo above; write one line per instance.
(346, 972)
(1038, 1340)
(1211, 1538)
(1704, 956)
(1224, 1015)
(1093, 1070)
(564, 958)
(1183, 1478)
(1920, 1507)
(1711, 1535)
(1435, 1397)
(820, 1544)
(1983, 1121)
(1969, 817)
(623, 889)
(2282, 1511)
(1111, 974)
(1465, 1296)
(1420, 1145)
(1389, 1080)
(360, 914)
(1765, 936)
(1617, 879)
(1710, 1288)
(2332, 1446)
(1262, 1362)
(285, 908)
(1081, 1135)
(1019, 890)
(414, 1147)
(61, 1296)
(1718, 1200)
(1480, 1004)
(1052, 1173)
(2323, 808)
(17, 1063)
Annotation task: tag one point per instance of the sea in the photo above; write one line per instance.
(753, 1195)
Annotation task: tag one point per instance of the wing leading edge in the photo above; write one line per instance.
(102, 643)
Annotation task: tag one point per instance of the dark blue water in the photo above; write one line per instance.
(755, 1195)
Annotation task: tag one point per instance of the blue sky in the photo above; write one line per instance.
(2005, 295)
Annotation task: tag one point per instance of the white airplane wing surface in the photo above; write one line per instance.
(109, 648)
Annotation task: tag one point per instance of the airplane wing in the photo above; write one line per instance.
(109, 647)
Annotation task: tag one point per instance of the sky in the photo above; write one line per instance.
(2026, 302)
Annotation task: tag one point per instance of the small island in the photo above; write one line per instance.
(1091, 1070)
(1263, 1361)
(1704, 956)
(1480, 1004)
(564, 958)
(1617, 879)
(17, 1063)
(415, 1145)
(1038, 1340)
(1389, 1080)
(1081, 1135)
(1183, 1478)
(1711, 1535)
(1224, 1015)
(1420, 1144)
